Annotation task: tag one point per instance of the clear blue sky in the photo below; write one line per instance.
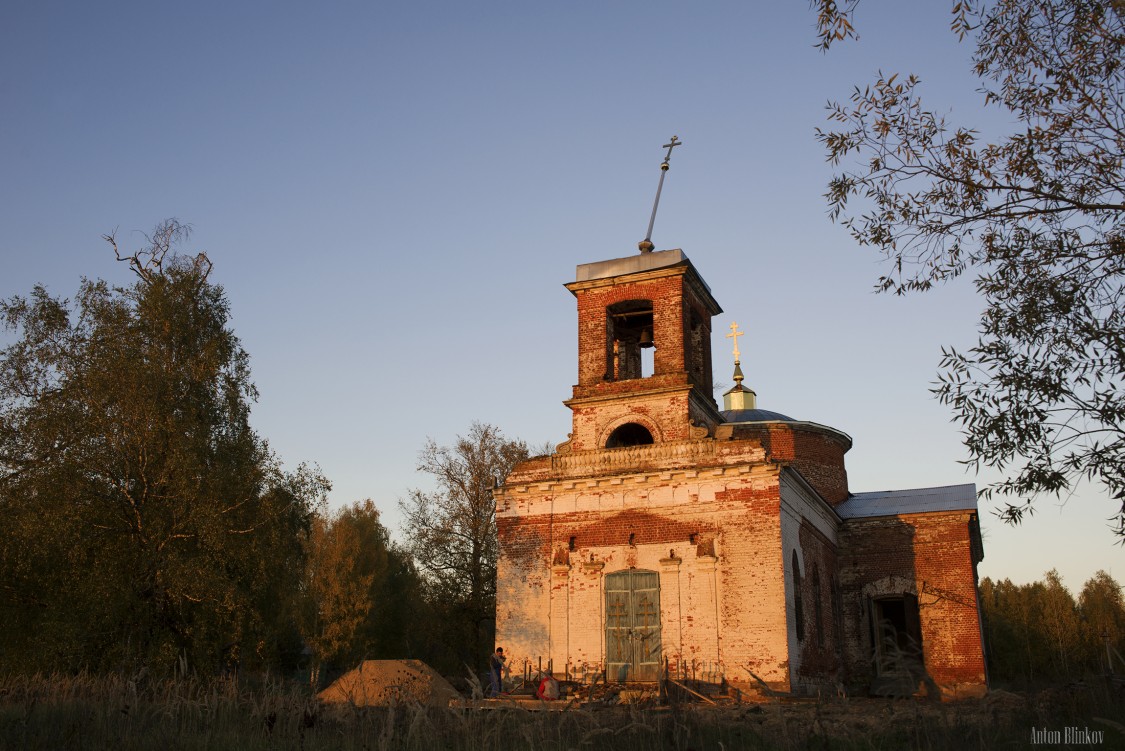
(394, 194)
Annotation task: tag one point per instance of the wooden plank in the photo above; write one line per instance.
(690, 691)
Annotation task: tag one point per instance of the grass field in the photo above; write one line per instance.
(85, 712)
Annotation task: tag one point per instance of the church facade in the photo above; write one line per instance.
(721, 545)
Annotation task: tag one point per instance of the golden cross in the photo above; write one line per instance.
(734, 334)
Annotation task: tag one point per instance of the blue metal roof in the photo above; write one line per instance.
(914, 501)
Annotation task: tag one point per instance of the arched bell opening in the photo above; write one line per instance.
(629, 340)
(629, 434)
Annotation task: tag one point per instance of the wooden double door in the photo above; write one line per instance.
(632, 626)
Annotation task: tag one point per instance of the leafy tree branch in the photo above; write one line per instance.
(1038, 216)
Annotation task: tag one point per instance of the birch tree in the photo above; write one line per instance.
(142, 520)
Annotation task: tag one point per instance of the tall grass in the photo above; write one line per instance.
(88, 712)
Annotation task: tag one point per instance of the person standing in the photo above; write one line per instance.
(496, 671)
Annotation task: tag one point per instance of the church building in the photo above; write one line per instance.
(721, 545)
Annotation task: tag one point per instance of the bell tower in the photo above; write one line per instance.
(627, 307)
(654, 300)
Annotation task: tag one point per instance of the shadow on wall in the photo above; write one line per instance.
(891, 657)
(524, 547)
(897, 651)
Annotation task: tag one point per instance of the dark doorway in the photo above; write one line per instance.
(897, 642)
(632, 626)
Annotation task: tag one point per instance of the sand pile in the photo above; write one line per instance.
(380, 683)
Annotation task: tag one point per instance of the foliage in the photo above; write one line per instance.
(833, 20)
(142, 520)
(1038, 215)
(451, 533)
(1037, 634)
(1103, 620)
(62, 711)
(361, 592)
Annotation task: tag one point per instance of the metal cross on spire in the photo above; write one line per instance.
(734, 334)
(675, 142)
(646, 245)
(738, 377)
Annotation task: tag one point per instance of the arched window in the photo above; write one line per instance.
(629, 434)
(798, 599)
(837, 613)
(818, 612)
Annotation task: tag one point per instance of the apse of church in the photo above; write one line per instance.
(721, 545)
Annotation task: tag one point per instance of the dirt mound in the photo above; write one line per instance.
(381, 683)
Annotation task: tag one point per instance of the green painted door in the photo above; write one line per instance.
(632, 626)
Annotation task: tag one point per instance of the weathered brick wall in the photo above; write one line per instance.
(665, 415)
(809, 529)
(697, 341)
(820, 649)
(752, 587)
(594, 348)
(713, 536)
(817, 454)
(522, 587)
(929, 556)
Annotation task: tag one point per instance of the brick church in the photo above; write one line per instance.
(721, 545)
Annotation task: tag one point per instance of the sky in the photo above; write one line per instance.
(393, 195)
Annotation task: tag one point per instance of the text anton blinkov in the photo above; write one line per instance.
(1075, 735)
